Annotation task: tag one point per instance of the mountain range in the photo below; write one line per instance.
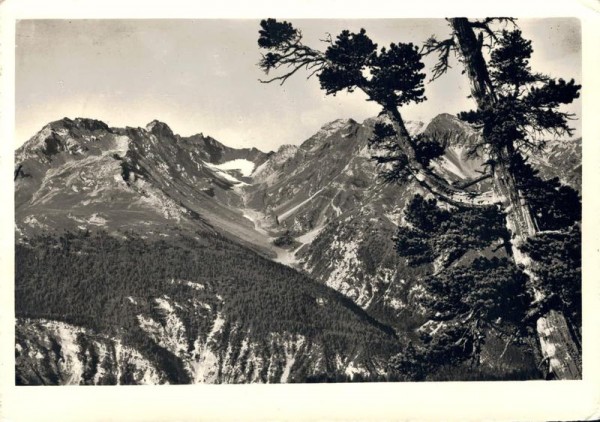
(147, 257)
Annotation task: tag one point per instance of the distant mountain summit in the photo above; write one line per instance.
(160, 129)
(81, 174)
(65, 135)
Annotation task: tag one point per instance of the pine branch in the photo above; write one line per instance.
(287, 75)
(443, 49)
(475, 181)
(484, 26)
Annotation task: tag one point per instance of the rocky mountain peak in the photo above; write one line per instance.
(79, 123)
(336, 125)
(64, 135)
(159, 129)
(286, 149)
(330, 133)
(449, 124)
(414, 127)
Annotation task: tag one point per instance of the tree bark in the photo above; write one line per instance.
(470, 49)
(556, 342)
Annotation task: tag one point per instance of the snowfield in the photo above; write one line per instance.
(246, 167)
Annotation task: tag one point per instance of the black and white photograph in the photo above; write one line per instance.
(282, 200)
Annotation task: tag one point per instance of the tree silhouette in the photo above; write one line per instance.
(514, 107)
(392, 77)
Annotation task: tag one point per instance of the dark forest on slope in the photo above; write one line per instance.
(85, 279)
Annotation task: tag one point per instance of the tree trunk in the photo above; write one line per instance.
(557, 345)
(556, 342)
(470, 49)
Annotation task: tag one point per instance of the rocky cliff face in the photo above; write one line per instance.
(55, 353)
(561, 159)
(51, 352)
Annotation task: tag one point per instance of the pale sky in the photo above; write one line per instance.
(201, 75)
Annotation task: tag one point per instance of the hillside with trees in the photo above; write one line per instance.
(110, 285)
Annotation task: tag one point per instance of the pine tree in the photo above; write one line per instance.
(513, 105)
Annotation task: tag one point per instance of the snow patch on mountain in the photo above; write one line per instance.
(223, 174)
(246, 167)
